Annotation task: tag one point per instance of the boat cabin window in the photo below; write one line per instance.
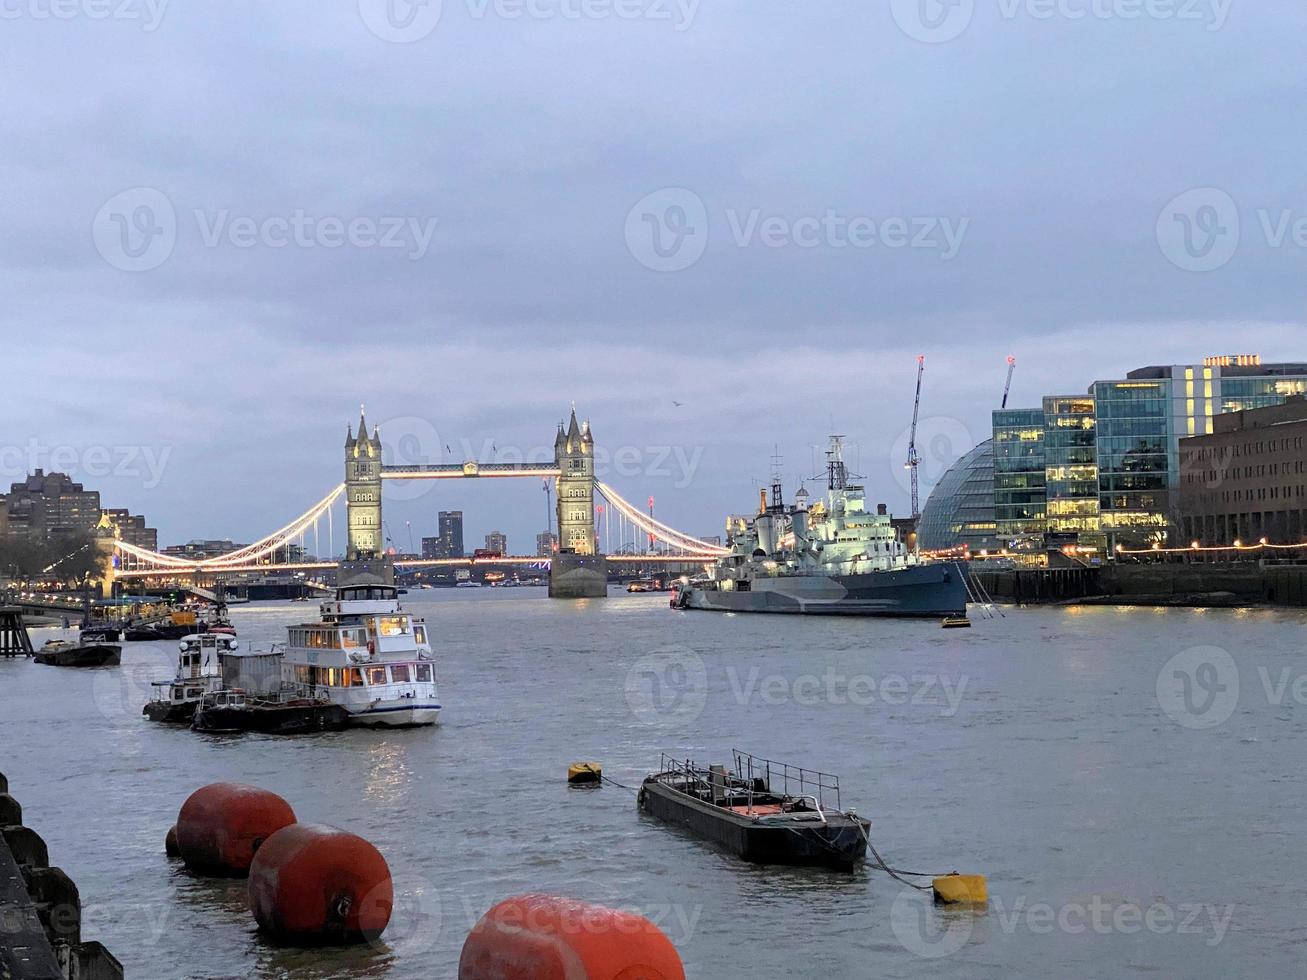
(392, 625)
(328, 676)
(351, 638)
(177, 694)
(422, 672)
(376, 675)
(192, 692)
(419, 633)
(364, 592)
(399, 673)
(315, 638)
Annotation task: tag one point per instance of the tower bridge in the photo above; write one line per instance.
(577, 570)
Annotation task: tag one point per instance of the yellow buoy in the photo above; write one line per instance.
(956, 889)
(584, 773)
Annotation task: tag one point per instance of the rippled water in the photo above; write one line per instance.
(1119, 835)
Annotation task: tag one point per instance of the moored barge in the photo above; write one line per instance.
(282, 713)
(65, 653)
(763, 811)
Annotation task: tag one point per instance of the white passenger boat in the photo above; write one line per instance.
(367, 655)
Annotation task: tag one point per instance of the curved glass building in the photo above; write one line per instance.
(961, 507)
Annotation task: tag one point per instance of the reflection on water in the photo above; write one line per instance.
(1057, 776)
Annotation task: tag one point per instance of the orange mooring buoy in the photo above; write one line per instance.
(222, 825)
(547, 937)
(312, 885)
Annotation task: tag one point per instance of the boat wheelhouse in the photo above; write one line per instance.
(199, 672)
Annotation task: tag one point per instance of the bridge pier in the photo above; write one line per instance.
(14, 641)
(573, 576)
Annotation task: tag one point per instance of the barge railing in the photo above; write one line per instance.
(809, 782)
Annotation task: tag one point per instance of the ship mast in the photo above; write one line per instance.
(837, 477)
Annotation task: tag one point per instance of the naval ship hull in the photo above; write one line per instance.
(920, 590)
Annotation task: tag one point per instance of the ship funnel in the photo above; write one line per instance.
(799, 525)
(764, 525)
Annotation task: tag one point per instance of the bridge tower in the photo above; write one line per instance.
(575, 458)
(577, 571)
(363, 491)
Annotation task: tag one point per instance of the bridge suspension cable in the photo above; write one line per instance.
(660, 530)
(243, 556)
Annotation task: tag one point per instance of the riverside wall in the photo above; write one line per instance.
(41, 910)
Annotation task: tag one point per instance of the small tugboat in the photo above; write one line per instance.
(764, 812)
(65, 653)
(199, 672)
(282, 713)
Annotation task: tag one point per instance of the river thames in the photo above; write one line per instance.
(1129, 780)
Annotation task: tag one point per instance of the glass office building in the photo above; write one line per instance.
(960, 510)
(1071, 468)
(1106, 468)
(1020, 505)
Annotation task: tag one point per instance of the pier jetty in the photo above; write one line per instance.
(41, 910)
(1196, 584)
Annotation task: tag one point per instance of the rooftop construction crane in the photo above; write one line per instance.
(913, 458)
(1007, 385)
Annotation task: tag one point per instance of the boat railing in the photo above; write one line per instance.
(821, 787)
(685, 770)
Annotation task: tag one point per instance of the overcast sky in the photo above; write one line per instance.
(226, 225)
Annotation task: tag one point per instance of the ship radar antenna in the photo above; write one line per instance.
(777, 497)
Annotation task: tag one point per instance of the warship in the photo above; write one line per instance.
(833, 558)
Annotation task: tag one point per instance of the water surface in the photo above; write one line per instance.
(1118, 834)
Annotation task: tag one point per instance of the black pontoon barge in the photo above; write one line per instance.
(766, 812)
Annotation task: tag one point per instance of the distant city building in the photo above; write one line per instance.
(960, 509)
(1103, 470)
(497, 542)
(450, 529)
(131, 528)
(202, 548)
(431, 548)
(1247, 479)
(546, 543)
(49, 503)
